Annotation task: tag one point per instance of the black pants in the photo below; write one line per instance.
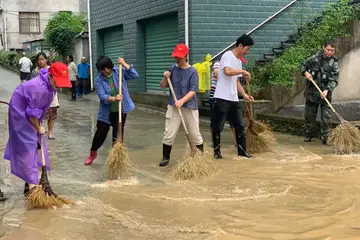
(224, 110)
(103, 128)
(73, 90)
(83, 85)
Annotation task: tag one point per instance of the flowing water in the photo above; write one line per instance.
(296, 191)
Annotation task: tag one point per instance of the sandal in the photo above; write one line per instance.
(51, 138)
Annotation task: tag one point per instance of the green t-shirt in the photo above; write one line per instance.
(114, 106)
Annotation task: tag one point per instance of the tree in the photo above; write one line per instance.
(61, 31)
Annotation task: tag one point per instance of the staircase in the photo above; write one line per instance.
(279, 50)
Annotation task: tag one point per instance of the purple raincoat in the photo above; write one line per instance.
(31, 99)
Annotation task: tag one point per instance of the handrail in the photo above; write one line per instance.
(257, 27)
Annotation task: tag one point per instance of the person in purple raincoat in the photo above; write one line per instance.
(27, 108)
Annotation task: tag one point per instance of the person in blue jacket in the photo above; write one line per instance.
(107, 89)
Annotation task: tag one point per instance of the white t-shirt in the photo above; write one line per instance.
(55, 101)
(227, 85)
(25, 65)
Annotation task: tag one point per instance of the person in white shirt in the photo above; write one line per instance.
(25, 65)
(226, 99)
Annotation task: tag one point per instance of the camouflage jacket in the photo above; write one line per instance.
(325, 72)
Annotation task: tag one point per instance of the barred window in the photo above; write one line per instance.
(29, 22)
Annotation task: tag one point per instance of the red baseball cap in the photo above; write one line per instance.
(180, 51)
(60, 72)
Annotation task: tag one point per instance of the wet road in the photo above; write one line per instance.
(297, 191)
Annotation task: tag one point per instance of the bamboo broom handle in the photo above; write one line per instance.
(327, 101)
(42, 151)
(120, 92)
(250, 104)
(175, 99)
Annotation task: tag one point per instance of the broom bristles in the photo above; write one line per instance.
(345, 139)
(118, 161)
(193, 167)
(258, 126)
(259, 137)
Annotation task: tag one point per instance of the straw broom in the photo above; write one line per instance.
(258, 135)
(197, 164)
(118, 161)
(42, 196)
(345, 138)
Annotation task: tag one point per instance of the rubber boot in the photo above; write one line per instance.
(166, 155)
(91, 158)
(2, 196)
(307, 139)
(200, 147)
(241, 146)
(216, 144)
(26, 189)
(324, 139)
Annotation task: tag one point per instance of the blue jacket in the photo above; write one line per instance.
(103, 91)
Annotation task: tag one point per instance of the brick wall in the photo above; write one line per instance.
(131, 14)
(216, 24)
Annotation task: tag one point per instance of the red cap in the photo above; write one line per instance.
(180, 51)
(60, 72)
(242, 59)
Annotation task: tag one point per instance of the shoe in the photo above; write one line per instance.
(2, 196)
(307, 139)
(51, 138)
(91, 158)
(241, 147)
(216, 144)
(166, 155)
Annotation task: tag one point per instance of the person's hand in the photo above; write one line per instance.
(324, 94)
(41, 130)
(119, 97)
(308, 76)
(246, 74)
(249, 98)
(179, 103)
(167, 74)
(121, 61)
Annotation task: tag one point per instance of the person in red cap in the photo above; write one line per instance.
(185, 81)
(27, 108)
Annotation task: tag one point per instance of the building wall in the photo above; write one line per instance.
(131, 15)
(216, 24)
(46, 8)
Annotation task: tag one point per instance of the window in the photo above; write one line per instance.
(29, 22)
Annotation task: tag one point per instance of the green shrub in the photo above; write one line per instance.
(311, 40)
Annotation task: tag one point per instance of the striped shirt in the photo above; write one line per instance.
(213, 80)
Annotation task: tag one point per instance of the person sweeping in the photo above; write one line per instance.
(107, 89)
(226, 96)
(27, 108)
(184, 79)
(323, 67)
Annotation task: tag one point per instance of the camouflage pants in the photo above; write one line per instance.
(311, 109)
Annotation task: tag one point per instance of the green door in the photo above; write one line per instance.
(161, 36)
(114, 43)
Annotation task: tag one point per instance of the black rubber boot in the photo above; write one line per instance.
(241, 147)
(324, 139)
(200, 147)
(2, 196)
(216, 145)
(166, 155)
(26, 189)
(307, 139)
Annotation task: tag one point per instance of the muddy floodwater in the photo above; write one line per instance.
(296, 191)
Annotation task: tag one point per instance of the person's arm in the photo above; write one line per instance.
(225, 63)
(243, 93)
(20, 62)
(35, 123)
(105, 98)
(129, 71)
(74, 68)
(334, 76)
(306, 68)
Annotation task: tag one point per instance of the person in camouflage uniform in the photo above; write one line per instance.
(323, 67)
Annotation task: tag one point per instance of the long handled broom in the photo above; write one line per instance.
(345, 138)
(258, 134)
(196, 165)
(42, 196)
(118, 161)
